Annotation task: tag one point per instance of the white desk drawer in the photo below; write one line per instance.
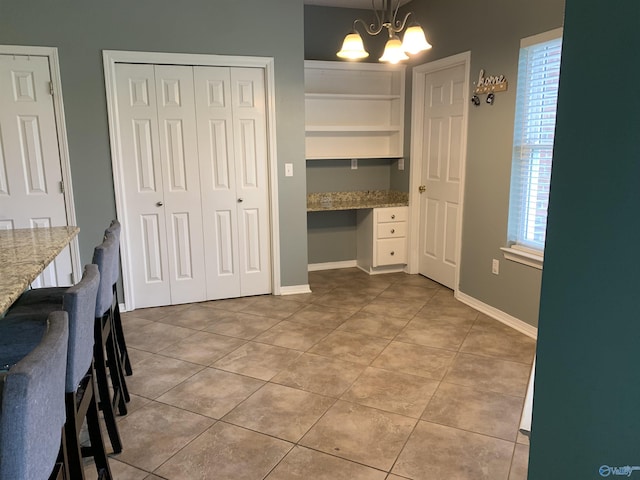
(391, 251)
(391, 230)
(392, 214)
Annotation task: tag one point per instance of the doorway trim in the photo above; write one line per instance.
(61, 131)
(415, 174)
(110, 59)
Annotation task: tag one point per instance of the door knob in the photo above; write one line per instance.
(159, 204)
(240, 200)
(422, 188)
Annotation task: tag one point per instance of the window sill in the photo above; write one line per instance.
(525, 257)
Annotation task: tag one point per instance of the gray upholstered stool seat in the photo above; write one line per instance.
(19, 336)
(32, 411)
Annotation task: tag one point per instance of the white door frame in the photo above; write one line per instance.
(110, 58)
(61, 130)
(415, 174)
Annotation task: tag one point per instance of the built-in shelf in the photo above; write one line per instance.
(354, 110)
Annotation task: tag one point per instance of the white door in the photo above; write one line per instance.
(231, 112)
(31, 190)
(162, 186)
(443, 130)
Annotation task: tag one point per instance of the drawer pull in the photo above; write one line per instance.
(393, 253)
(393, 216)
(393, 230)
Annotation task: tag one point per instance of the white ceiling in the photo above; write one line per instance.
(364, 4)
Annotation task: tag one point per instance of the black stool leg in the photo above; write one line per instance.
(119, 332)
(102, 382)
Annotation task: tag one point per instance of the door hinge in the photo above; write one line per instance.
(50, 88)
(61, 187)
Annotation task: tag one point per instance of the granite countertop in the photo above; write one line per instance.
(328, 201)
(24, 254)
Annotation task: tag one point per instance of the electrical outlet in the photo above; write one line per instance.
(354, 164)
(495, 267)
(401, 164)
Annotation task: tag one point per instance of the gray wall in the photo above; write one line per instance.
(492, 33)
(82, 29)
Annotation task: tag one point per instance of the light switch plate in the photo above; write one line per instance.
(354, 164)
(401, 164)
(288, 169)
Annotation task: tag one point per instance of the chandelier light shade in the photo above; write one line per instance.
(353, 48)
(414, 41)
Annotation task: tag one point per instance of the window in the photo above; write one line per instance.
(536, 99)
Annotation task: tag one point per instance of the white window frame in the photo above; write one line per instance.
(516, 251)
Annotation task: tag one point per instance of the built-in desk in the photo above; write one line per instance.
(24, 254)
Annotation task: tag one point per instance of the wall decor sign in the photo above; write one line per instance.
(490, 84)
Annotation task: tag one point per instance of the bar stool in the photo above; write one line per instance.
(32, 411)
(105, 353)
(115, 228)
(79, 302)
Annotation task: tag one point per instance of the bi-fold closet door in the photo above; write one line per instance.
(195, 182)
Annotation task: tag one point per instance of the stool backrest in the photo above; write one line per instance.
(79, 302)
(33, 408)
(103, 257)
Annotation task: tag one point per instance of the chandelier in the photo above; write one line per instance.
(395, 50)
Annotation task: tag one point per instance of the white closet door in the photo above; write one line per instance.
(181, 181)
(31, 193)
(231, 121)
(143, 183)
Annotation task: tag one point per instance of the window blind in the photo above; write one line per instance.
(536, 99)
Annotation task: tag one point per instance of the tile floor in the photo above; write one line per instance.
(368, 377)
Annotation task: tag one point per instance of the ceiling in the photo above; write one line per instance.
(364, 4)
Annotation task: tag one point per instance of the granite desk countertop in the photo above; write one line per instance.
(24, 254)
(330, 201)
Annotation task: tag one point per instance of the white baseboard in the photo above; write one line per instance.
(513, 322)
(295, 290)
(314, 267)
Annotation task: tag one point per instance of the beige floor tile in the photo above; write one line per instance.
(279, 411)
(440, 452)
(306, 464)
(211, 392)
(415, 360)
(136, 356)
(293, 335)
(154, 433)
(273, 306)
(366, 323)
(156, 375)
(203, 348)
(490, 374)
(522, 439)
(156, 313)
(132, 322)
(196, 317)
(490, 338)
(350, 347)
(257, 360)
(392, 391)
(478, 411)
(417, 293)
(394, 307)
(226, 452)
(318, 374)
(520, 463)
(229, 304)
(119, 470)
(341, 299)
(320, 316)
(437, 333)
(361, 434)
(241, 325)
(156, 336)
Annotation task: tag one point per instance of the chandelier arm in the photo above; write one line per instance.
(397, 25)
(371, 29)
